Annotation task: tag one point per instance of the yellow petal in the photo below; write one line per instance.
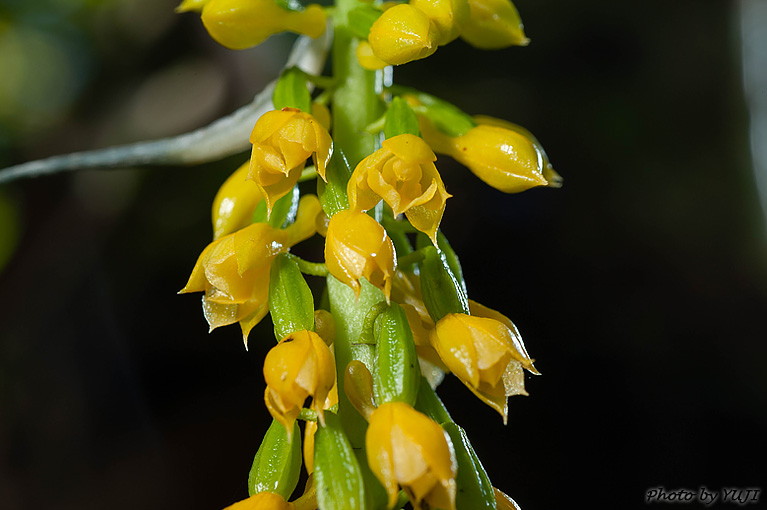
(403, 34)
(262, 501)
(493, 24)
(234, 203)
(367, 58)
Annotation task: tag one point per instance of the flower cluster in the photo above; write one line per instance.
(395, 315)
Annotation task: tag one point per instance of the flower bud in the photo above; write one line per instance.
(449, 16)
(262, 501)
(240, 24)
(554, 179)
(282, 141)
(357, 246)
(358, 386)
(504, 159)
(367, 58)
(494, 24)
(403, 174)
(277, 463)
(485, 354)
(235, 202)
(406, 448)
(298, 367)
(403, 34)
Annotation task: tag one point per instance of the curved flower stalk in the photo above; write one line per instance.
(395, 316)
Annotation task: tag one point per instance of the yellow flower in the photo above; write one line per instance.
(299, 367)
(505, 159)
(357, 246)
(494, 24)
(403, 34)
(233, 270)
(282, 141)
(449, 16)
(402, 173)
(235, 202)
(484, 350)
(408, 449)
(262, 501)
(240, 24)
(406, 291)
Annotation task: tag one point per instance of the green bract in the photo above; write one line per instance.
(277, 464)
(337, 473)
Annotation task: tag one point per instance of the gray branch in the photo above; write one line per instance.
(223, 137)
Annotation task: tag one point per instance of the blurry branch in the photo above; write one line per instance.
(753, 16)
(223, 137)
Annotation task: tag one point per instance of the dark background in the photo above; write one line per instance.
(640, 287)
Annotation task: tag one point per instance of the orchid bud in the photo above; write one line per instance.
(240, 24)
(403, 34)
(449, 16)
(235, 202)
(494, 24)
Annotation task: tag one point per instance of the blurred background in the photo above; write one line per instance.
(640, 287)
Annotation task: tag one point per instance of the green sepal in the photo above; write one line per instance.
(445, 116)
(422, 241)
(429, 403)
(400, 119)
(291, 91)
(398, 374)
(340, 485)
(283, 213)
(290, 299)
(361, 18)
(475, 492)
(442, 293)
(332, 194)
(277, 463)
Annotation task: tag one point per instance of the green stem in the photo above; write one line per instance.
(412, 257)
(310, 268)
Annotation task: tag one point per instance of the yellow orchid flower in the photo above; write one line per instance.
(403, 34)
(484, 350)
(357, 246)
(449, 16)
(282, 141)
(235, 202)
(494, 24)
(262, 501)
(299, 367)
(403, 174)
(233, 271)
(240, 24)
(407, 448)
(505, 159)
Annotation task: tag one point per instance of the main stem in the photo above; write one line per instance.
(355, 106)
